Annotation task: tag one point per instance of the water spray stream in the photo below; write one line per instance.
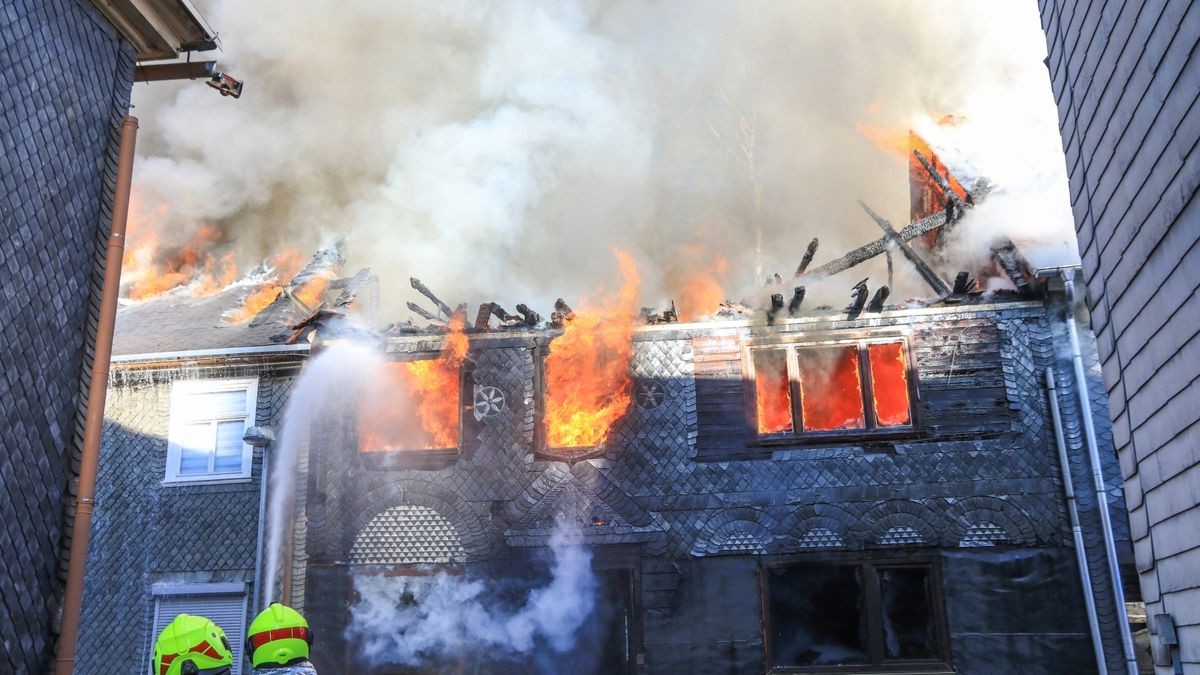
(339, 370)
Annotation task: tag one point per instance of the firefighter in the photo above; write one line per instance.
(278, 642)
(192, 645)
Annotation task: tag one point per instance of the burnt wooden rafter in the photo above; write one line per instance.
(877, 247)
(935, 282)
(952, 197)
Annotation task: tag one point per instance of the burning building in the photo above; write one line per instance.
(882, 487)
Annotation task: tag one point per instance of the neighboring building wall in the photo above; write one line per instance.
(1126, 76)
(65, 80)
(145, 532)
(697, 517)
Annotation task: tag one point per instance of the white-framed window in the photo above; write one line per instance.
(225, 604)
(208, 420)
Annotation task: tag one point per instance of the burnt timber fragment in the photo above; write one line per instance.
(796, 301)
(867, 251)
(531, 317)
(877, 300)
(426, 314)
(1014, 265)
(808, 257)
(858, 298)
(669, 315)
(931, 278)
(963, 284)
(424, 290)
(954, 204)
(564, 310)
(776, 305)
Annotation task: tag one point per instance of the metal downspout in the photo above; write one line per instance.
(260, 597)
(1110, 547)
(97, 390)
(1085, 575)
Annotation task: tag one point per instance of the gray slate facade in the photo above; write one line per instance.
(697, 522)
(65, 82)
(1126, 78)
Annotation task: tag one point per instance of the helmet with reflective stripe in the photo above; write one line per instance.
(278, 636)
(192, 645)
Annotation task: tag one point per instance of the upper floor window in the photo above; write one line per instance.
(862, 386)
(208, 420)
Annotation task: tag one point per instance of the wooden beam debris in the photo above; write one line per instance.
(808, 257)
(424, 290)
(531, 317)
(858, 299)
(776, 305)
(877, 300)
(935, 282)
(877, 247)
(427, 315)
(955, 206)
(796, 301)
(1014, 265)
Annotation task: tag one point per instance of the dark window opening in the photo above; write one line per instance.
(861, 387)
(854, 615)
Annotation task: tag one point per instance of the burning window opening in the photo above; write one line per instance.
(864, 386)
(417, 405)
(587, 383)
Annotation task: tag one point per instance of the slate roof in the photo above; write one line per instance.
(179, 321)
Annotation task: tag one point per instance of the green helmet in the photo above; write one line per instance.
(192, 645)
(278, 636)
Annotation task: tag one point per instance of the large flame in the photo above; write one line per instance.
(432, 386)
(830, 389)
(151, 267)
(925, 195)
(697, 285)
(286, 265)
(587, 370)
(773, 392)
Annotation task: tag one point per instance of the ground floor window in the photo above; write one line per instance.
(223, 603)
(854, 614)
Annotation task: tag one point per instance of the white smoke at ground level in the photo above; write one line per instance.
(411, 619)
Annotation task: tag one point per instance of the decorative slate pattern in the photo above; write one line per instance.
(407, 535)
(65, 81)
(983, 534)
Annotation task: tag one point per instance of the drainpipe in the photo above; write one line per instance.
(1085, 575)
(97, 389)
(1089, 429)
(260, 438)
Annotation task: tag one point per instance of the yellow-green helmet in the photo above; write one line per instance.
(278, 636)
(192, 645)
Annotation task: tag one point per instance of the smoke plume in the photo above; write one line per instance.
(499, 150)
(408, 619)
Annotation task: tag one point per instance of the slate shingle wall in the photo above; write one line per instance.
(655, 492)
(145, 532)
(65, 81)
(1126, 78)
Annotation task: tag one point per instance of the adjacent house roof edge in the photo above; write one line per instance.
(201, 353)
(159, 29)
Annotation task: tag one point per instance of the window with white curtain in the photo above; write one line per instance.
(208, 420)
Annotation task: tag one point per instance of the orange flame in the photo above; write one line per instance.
(830, 391)
(433, 386)
(889, 384)
(698, 287)
(287, 264)
(165, 268)
(925, 195)
(587, 370)
(773, 393)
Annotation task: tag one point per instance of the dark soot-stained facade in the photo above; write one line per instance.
(65, 79)
(944, 544)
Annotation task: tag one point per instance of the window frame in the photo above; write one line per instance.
(424, 458)
(180, 392)
(791, 345)
(870, 564)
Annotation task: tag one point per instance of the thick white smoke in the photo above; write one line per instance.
(500, 150)
(409, 619)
